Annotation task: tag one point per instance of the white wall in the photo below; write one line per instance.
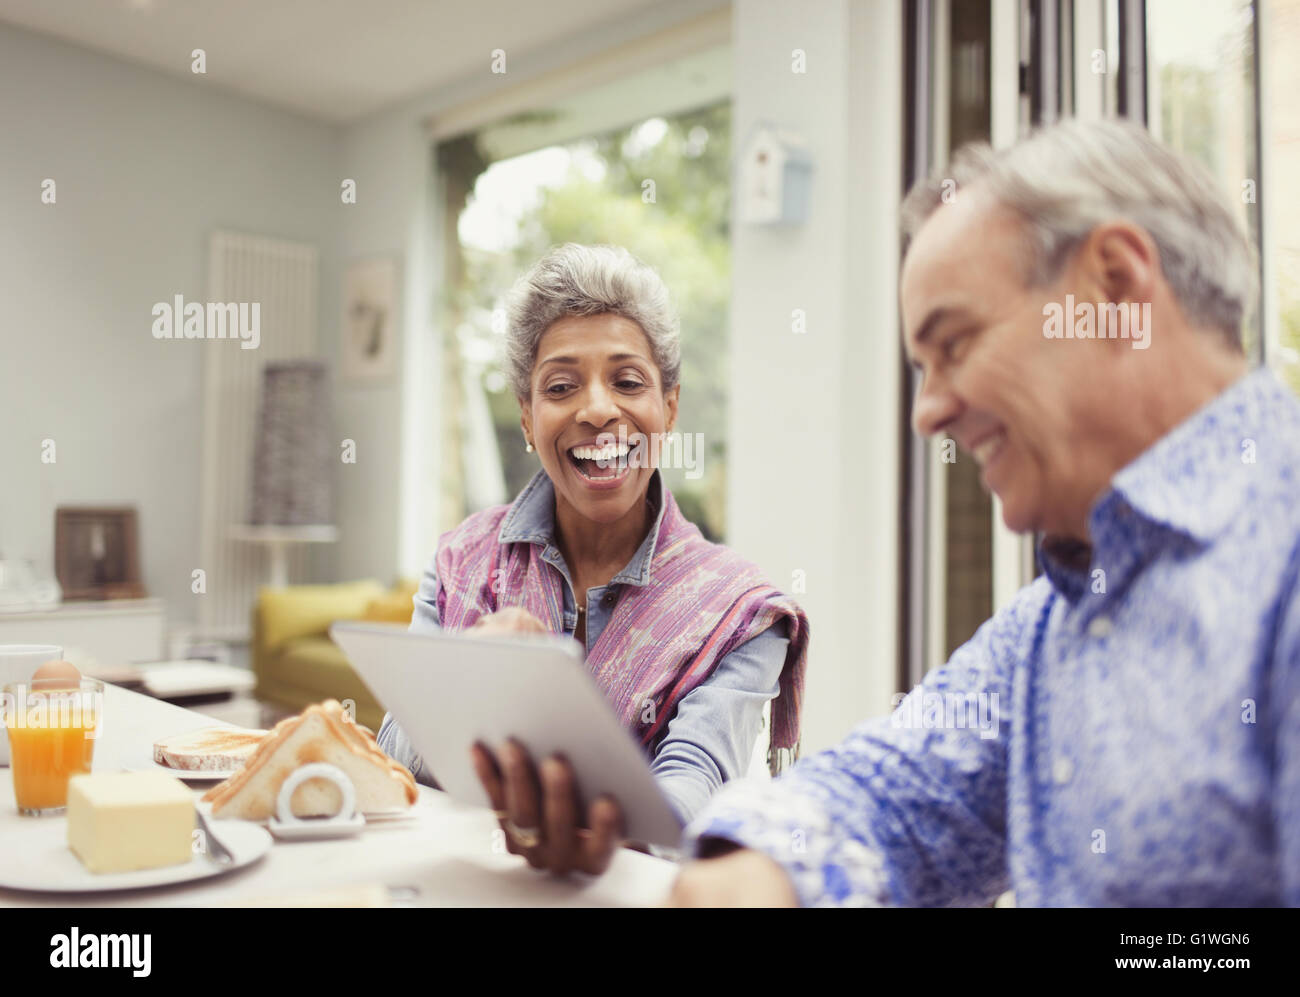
(146, 167)
(390, 158)
(813, 424)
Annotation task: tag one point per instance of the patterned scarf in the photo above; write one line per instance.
(664, 638)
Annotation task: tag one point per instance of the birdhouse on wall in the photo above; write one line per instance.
(775, 178)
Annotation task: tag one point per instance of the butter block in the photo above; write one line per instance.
(123, 821)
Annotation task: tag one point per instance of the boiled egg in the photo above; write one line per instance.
(56, 675)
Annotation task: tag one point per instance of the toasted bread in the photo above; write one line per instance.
(321, 733)
(210, 749)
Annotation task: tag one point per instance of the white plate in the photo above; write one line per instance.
(189, 775)
(36, 856)
(316, 830)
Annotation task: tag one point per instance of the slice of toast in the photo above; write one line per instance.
(321, 733)
(209, 749)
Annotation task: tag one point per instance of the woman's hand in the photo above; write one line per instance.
(539, 812)
(512, 619)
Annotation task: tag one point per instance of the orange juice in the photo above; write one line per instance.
(51, 738)
(44, 758)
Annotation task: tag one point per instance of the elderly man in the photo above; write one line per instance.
(1147, 686)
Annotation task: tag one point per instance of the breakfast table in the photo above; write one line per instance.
(443, 853)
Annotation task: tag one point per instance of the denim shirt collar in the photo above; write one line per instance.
(1191, 482)
(1195, 477)
(531, 519)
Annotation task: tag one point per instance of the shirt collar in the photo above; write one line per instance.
(531, 519)
(1195, 478)
(1192, 481)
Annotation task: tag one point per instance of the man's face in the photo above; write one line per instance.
(1027, 408)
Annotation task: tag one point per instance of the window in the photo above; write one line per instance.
(1279, 84)
(1202, 101)
(660, 188)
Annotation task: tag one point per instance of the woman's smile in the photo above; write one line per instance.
(606, 463)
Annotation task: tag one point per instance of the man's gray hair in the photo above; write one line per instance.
(1068, 178)
(589, 280)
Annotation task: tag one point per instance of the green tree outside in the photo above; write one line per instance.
(669, 205)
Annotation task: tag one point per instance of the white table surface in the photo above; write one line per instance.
(446, 851)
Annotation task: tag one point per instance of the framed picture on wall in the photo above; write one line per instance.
(96, 553)
(369, 320)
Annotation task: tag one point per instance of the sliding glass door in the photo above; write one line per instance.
(1214, 79)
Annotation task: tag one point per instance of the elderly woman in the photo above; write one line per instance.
(686, 639)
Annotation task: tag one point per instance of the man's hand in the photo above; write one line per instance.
(743, 878)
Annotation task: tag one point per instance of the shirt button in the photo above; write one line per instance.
(1062, 770)
(1100, 626)
(608, 599)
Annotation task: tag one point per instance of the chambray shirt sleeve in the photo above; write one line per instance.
(711, 738)
(391, 738)
(903, 811)
(1284, 709)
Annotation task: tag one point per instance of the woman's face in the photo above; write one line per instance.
(595, 385)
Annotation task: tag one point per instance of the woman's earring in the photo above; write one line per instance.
(529, 448)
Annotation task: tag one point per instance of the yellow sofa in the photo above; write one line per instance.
(294, 660)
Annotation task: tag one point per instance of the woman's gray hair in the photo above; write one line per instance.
(589, 280)
(1071, 177)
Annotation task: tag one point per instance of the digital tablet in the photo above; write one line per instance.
(449, 690)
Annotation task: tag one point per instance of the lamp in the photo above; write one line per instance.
(292, 499)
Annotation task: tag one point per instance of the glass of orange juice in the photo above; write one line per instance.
(52, 731)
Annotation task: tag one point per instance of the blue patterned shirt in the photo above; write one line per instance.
(1125, 732)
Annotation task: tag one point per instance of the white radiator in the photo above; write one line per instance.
(282, 276)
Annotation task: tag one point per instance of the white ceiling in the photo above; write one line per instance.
(329, 59)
